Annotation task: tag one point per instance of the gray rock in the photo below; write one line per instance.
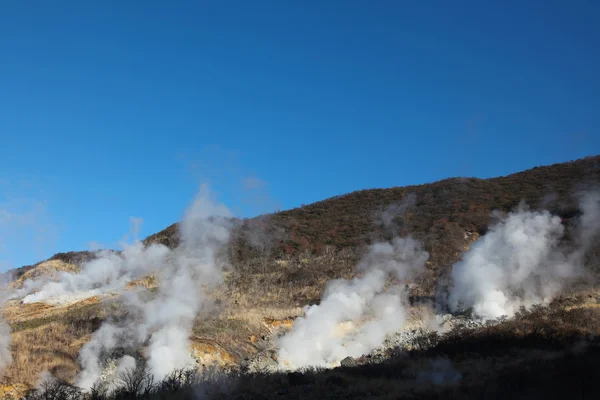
(348, 362)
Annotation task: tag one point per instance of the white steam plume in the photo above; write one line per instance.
(110, 271)
(164, 323)
(519, 261)
(318, 338)
(5, 354)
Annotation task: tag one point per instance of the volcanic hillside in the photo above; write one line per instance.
(281, 262)
(445, 216)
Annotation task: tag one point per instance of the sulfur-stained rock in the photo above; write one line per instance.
(208, 352)
(14, 391)
(273, 323)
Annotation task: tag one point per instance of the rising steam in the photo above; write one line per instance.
(5, 354)
(320, 338)
(110, 271)
(164, 323)
(520, 262)
(159, 325)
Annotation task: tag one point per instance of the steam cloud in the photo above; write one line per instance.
(110, 271)
(5, 354)
(164, 323)
(319, 339)
(160, 325)
(519, 262)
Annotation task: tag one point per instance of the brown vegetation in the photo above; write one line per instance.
(48, 338)
(547, 352)
(282, 262)
(440, 215)
(47, 269)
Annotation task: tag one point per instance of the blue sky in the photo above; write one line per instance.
(119, 109)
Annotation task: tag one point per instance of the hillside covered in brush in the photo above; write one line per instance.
(444, 216)
(437, 213)
(277, 264)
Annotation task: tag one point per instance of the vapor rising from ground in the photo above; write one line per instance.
(520, 261)
(319, 339)
(110, 271)
(163, 324)
(5, 355)
(157, 325)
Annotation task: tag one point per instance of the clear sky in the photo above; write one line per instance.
(119, 109)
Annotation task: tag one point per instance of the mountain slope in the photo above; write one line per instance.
(445, 216)
(282, 262)
(348, 220)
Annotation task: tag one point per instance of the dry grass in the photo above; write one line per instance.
(21, 316)
(442, 213)
(548, 352)
(251, 308)
(147, 282)
(48, 338)
(304, 249)
(238, 325)
(15, 312)
(52, 347)
(265, 296)
(537, 343)
(287, 283)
